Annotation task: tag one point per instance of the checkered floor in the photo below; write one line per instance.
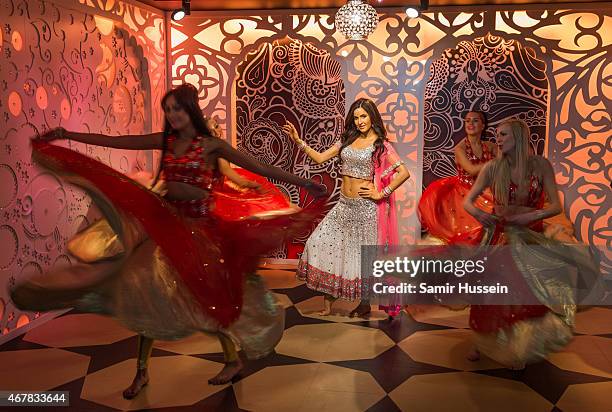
(415, 363)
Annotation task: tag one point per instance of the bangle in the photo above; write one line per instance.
(387, 191)
(303, 146)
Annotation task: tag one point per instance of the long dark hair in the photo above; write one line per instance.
(351, 132)
(186, 96)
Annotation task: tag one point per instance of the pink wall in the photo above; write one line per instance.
(96, 67)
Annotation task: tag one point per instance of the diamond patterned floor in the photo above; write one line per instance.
(415, 363)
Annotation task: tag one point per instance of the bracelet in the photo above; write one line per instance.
(387, 191)
(303, 146)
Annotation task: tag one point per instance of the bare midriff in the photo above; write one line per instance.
(511, 210)
(352, 185)
(184, 191)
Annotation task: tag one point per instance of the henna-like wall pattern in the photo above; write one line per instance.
(499, 77)
(86, 67)
(100, 65)
(288, 80)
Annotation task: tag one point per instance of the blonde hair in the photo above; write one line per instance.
(501, 170)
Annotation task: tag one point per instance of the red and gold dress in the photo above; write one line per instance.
(515, 335)
(441, 206)
(165, 269)
(232, 202)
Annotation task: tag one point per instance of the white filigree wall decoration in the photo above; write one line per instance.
(83, 68)
(498, 77)
(290, 81)
(392, 67)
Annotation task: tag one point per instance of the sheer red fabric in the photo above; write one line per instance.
(441, 206)
(234, 203)
(441, 211)
(211, 255)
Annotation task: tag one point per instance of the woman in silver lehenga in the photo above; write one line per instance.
(365, 214)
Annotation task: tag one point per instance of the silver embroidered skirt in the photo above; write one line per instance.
(331, 262)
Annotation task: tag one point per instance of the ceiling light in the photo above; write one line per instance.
(178, 15)
(185, 10)
(356, 19)
(412, 12)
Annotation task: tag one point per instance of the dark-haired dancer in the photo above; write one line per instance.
(179, 271)
(365, 214)
(441, 205)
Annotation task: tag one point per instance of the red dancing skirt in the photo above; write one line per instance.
(209, 256)
(234, 203)
(442, 214)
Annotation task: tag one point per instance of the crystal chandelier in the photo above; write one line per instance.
(356, 19)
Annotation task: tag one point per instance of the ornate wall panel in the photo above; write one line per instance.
(501, 78)
(82, 67)
(288, 80)
(393, 67)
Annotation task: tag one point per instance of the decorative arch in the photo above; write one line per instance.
(502, 78)
(290, 80)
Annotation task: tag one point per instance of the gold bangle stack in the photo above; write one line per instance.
(303, 146)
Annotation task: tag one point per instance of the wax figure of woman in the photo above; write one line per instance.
(441, 205)
(520, 182)
(179, 269)
(365, 214)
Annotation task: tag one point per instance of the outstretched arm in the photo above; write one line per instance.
(225, 151)
(134, 142)
(318, 157)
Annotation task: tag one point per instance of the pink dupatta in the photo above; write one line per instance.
(387, 209)
(387, 213)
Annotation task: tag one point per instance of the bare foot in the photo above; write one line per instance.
(473, 355)
(361, 311)
(140, 381)
(228, 372)
(327, 308)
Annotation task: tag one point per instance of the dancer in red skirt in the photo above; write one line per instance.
(515, 335)
(441, 205)
(180, 270)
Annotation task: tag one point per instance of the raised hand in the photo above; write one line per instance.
(292, 132)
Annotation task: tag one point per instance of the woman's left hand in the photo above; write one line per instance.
(521, 219)
(370, 192)
(160, 188)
